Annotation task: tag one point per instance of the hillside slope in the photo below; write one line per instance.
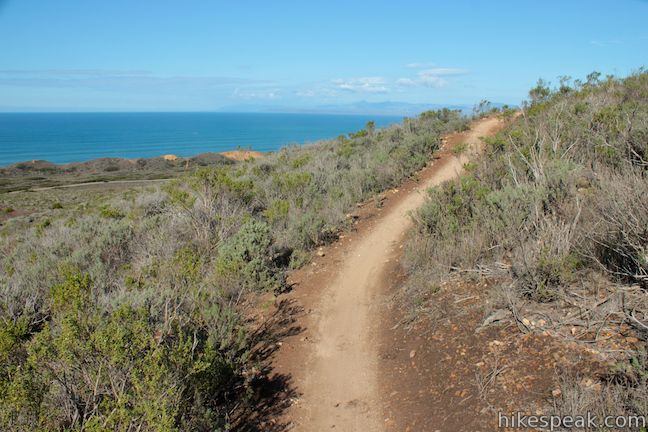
(130, 307)
(529, 272)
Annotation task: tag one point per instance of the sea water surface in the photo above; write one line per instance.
(76, 137)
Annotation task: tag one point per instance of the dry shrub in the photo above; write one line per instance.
(618, 232)
(545, 262)
(625, 393)
(561, 196)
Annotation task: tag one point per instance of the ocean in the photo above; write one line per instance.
(76, 137)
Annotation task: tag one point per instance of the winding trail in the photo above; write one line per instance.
(336, 365)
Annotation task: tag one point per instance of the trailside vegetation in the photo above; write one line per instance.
(127, 311)
(556, 212)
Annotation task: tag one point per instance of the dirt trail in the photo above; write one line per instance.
(338, 375)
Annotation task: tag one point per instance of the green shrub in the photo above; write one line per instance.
(546, 262)
(298, 259)
(41, 226)
(300, 161)
(277, 211)
(93, 371)
(188, 265)
(460, 149)
(292, 182)
(111, 213)
(246, 258)
(225, 181)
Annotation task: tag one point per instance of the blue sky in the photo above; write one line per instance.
(203, 55)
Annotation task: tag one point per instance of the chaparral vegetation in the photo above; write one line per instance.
(555, 216)
(127, 308)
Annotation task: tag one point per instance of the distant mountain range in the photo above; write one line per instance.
(388, 108)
